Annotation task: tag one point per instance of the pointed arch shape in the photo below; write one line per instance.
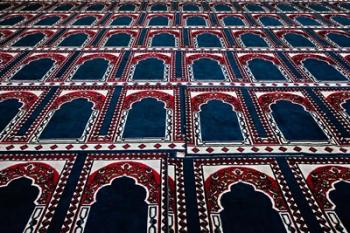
(199, 100)
(220, 182)
(42, 174)
(144, 176)
(266, 100)
(27, 98)
(96, 98)
(166, 98)
(321, 181)
(337, 99)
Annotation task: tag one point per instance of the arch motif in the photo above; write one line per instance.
(161, 96)
(54, 56)
(245, 58)
(144, 56)
(219, 182)
(190, 59)
(284, 32)
(115, 32)
(42, 174)
(27, 98)
(321, 181)
(337, 99)
(5, 58)
(98, 17)
(106, 56)
(266, 100)
(143, 174)
(87, 32)
(157, 32)
(201, 99)
(301, 57)
(95, 97)
(199, 32)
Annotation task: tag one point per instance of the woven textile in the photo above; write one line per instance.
(175, 116)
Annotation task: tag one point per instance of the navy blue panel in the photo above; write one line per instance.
(158, 7)
(286, 7)
(127, 7)
(177, 19)
(183, 109)
(122, 64)
(163, 40)
(295, 123)
(158, 21)
(270, 21)
(118, 40)
(50, 20)
(149, 69)
(29, 40)
(219, 122)
(66, 65)
(193, 224)
(322, 71)
(234, 66)
(122, 20)
(299, 198)
(95, 7)
(213, 19)
(87, 20)
(340, 39)
(91, 70)
(31, 7)
(110, 111)
(289, 65)
(14, 62)
(346, 106)
(307, 21)
(329, 115)
(233, 21)
(186, 37)
(97, 38)
(318, 7)
(253, 40)
(255, 211)
(178, 64)
(35, 70)
(8, 110)
(77, 39)
(297, 40)
(254, 7)
(146, 119)
(222, 7)
(207, 69)
(195, 21)
(64, 7)
(119, 207)
(67, 195)
(264, 70)
(141, 19)
(340, 197)
(4, 6)
(229, 37)
(190, 7)
(208, 40)
(253, 113)
(343, 20)
(345, 5)
(12, 20)
(17, 204)
(69, 121)
(142, 36)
